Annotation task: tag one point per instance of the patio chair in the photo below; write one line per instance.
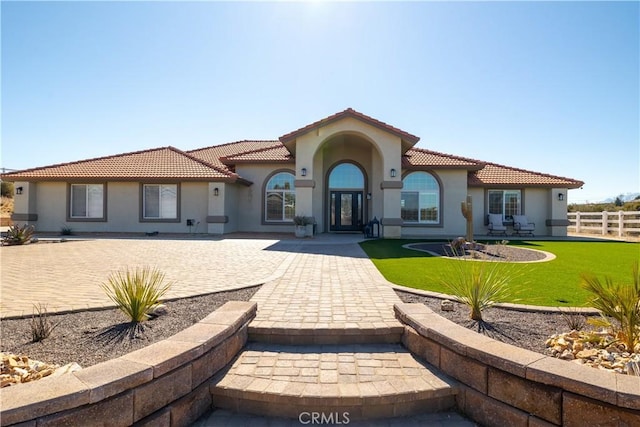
(521, 225)
(496, 226)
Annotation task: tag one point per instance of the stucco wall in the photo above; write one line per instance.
(453, 191)
(250, 200)
(123, 209)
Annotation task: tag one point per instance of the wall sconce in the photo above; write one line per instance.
(393, 173)
(368, 196)
(216, 191)
(19, 190)
(303, 171)
(560, 197)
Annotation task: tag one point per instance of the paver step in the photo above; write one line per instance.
(364, 381)
(221, 417)
(330, 333)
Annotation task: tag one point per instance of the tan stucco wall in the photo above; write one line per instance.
(123, 204)
(454, 191)
(250, 200)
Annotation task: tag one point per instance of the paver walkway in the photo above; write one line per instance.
(66, 276)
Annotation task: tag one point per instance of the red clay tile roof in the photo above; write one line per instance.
(156, 164)
(277, 153)
(214, 154)
(493, 174)
(418, 158)
(350, 112)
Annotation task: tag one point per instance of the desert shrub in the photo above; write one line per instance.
(482, 284)
(136, 292)
(572, 317)
(617, 302)
(41, 326)
(6, 189)
(18, 235)
(65, 230)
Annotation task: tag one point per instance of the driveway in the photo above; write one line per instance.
(67, 275)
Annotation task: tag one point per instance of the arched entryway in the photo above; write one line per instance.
(346, 191)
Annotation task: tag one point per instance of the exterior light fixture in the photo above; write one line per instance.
(368, 196)
(216, 191)
(19, 190)
(393, 173)
(560, 197)
(303, 171)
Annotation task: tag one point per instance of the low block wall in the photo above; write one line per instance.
(506, 385)
(164, 384)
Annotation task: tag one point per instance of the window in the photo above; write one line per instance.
(280, 197)
(420, 198)
(87, 201)
(505, 202)
(346, 176)
(160, 201)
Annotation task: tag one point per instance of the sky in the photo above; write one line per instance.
(546, 86)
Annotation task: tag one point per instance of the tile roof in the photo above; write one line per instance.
(215, 153)
(421, 158)
(350, 112)
(158, 163)
(277, 153)
(495, 174)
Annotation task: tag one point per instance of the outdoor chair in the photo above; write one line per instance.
(522, 226)
(496, 226)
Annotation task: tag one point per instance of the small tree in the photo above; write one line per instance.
(618, 201)
(6, 189)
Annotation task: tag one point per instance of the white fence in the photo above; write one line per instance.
(621, 223)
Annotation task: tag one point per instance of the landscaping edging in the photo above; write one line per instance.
(166, 383)
(505, 385)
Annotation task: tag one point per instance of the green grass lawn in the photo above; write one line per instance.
(554, 283)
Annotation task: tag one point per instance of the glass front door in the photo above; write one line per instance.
(346, 211)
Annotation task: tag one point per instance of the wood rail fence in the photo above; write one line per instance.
(621, 223)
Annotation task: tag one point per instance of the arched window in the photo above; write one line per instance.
(346, 176)
(420, 199)
(280, 197)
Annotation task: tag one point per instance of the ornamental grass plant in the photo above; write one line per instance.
(482, 284)
(136, 292)
(619, 302)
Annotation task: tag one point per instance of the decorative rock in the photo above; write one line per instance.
(16, 369)
(587, 354)
(567, 355)
(157, 310)
(447, 305)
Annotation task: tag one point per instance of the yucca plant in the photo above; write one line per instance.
(620, 302)
(136, 292)
(18, 235)
(41, 326)
(482, 284)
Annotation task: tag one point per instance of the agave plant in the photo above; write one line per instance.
(482, 284)
(620, 302)
(136, 292)
(17, 235)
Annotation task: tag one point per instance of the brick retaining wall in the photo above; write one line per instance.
(506, 385)
(164, 384)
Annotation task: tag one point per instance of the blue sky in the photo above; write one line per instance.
(546, 86)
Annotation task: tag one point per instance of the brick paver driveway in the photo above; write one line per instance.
(67, 275)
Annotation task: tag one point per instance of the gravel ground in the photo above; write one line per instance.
(91, 337)
(528, 330)
(485, 252)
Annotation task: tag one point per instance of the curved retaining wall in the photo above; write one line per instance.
(164, 384)
(505, 385)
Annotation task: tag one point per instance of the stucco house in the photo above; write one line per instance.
(343, 171)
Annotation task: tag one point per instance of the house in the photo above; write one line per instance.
(343, 171)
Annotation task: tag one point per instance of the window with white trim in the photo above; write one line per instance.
(160, 201)
(420, 198)
(280, 198)
(505, 202)
(87, 201)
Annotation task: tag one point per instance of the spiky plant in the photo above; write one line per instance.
(41, 326)
(620, 302)
(136, 291)
(482, 284)
(18, 235)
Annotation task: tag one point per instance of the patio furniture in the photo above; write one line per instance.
(521, 225)
(496, 227)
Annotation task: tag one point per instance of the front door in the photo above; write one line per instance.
(346, 211)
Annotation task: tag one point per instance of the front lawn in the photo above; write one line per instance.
(553, 283)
